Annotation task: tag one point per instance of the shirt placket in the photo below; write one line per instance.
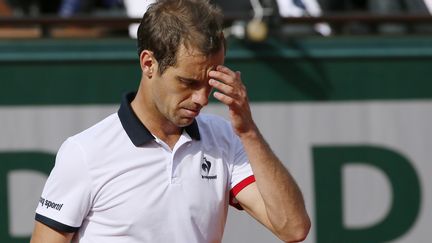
(173, 161)
(176, 159)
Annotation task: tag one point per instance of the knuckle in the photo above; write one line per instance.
(230, 101)
(231, 89)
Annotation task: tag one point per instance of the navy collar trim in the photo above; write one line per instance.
(135, 129)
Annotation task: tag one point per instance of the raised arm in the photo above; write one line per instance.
(274, 199)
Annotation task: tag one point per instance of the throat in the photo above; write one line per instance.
(158, 125)
(165, 131)
(168, 133)
(170, 140)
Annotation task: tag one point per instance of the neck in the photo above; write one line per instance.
(156, 123)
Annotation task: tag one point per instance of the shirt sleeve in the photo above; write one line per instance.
(242, 174)
(66, 197)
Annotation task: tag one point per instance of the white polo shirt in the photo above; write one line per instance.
(116, 182)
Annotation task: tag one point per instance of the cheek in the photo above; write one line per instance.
(158, 95)
(180, 95)
(169, 99)
(169, 94)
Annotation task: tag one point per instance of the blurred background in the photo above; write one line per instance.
(341, 89)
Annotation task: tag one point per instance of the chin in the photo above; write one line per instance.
(184, 122)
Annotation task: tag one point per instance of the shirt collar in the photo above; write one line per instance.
(135, 129)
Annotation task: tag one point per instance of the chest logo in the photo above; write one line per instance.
(205, 169)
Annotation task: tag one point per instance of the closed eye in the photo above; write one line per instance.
(189, 82)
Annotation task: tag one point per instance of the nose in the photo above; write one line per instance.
(201, 96)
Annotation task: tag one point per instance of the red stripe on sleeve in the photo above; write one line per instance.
(237, 188)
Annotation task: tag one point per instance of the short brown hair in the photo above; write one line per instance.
(168, 24)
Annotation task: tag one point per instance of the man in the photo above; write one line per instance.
(157, 171)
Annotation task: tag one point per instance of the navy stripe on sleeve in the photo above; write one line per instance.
(55, 225)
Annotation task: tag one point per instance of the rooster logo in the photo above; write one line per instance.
(206, 165)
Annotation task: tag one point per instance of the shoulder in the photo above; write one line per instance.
(209, 123)
(99, 130)
(212, 120)
(216, 131)
(94, 139)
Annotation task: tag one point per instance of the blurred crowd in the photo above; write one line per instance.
(63, 8)
(269, 11)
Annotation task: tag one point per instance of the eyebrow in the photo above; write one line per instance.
(188, 79)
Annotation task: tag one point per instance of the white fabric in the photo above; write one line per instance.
(288, 9)
(117, 192)
(428, 4)
(136, 9)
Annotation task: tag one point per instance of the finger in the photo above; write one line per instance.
(225, 70)
(224, 74)
(222, 87)
(222, 77)
(225, 99)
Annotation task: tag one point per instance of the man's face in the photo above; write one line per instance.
(182, 90)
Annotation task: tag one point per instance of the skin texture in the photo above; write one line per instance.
(165, 103)
(274, 199)
(44, 234)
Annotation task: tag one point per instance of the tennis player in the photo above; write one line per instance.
(158, 170)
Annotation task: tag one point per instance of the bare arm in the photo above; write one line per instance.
(274, 199)
(45, 234)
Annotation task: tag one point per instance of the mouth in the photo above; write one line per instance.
(191, 112)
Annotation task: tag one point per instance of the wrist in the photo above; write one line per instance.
(250, 134)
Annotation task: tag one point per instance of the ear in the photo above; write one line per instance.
(148, 63)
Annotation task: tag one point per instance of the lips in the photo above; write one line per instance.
(191, 112)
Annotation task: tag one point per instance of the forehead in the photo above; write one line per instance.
(192, 62)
